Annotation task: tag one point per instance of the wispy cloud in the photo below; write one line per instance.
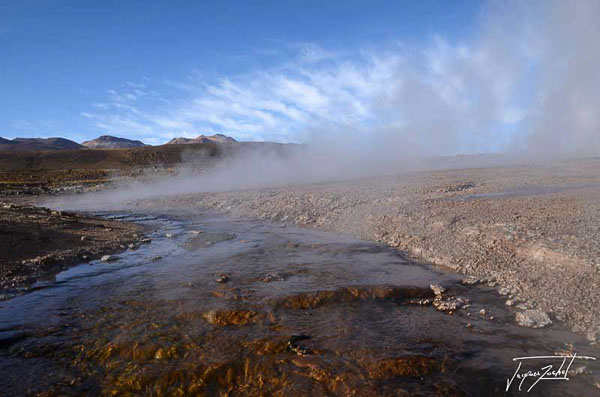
(439, 98)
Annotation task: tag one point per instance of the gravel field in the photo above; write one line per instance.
(531, 231)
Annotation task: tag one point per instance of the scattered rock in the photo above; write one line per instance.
(437, 289)
(271, 277)
(533, 318)
(504, 291)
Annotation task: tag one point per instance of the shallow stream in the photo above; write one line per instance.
(215, 306)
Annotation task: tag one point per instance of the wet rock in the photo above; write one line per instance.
(315, 299)
(294, 347)
(437, 289)
(471, 280)
(232, 317)
(421, 302)
(271, 277)
(109, 258)
(533, 318)
(448, 305)
(223, 278)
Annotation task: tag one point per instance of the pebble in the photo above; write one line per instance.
(109, 258)
(471, 280)
(222, 278)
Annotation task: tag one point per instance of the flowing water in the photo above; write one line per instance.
(215, 306)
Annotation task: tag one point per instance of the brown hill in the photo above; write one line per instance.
(32, 144)
(216, 138)
(101, 158)
(112, 142)
(22, 171)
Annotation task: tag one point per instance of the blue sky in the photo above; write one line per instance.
(81, 69)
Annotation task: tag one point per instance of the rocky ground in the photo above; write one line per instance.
(533, 232)
(36, 242)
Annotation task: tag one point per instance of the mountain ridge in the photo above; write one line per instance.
(112, 142)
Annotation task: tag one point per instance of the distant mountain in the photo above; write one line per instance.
(31, 144)
(217, 138)
(111, 142)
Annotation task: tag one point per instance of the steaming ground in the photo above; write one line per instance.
(534, 232)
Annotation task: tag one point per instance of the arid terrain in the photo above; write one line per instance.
(532, 231)
(37, 243)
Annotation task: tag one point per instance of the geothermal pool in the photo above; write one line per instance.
(218, 306)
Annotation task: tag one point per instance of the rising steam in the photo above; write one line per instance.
(526, 85)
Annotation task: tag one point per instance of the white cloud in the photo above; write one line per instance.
(429, 99)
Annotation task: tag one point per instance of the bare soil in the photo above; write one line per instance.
(36, 242)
